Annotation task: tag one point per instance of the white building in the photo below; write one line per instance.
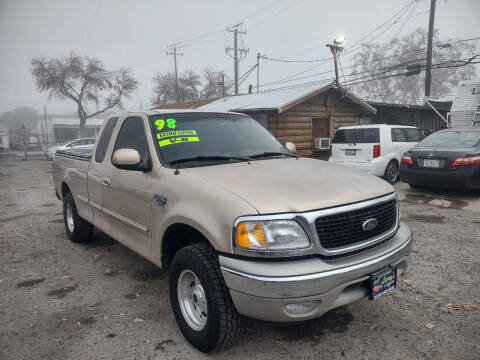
(4, 141)
(64, 128)
(465, 103)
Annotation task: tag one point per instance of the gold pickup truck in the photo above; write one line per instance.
(245, 227)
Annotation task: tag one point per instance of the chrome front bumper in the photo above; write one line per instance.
(263, 289)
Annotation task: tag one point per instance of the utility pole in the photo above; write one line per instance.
(258, 71)
(175, 53)
(335, 48)
(46, 127)
(236, 51)
(223, 85)
(428, 69)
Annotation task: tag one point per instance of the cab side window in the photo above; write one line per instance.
(132, 136)
(105, 139)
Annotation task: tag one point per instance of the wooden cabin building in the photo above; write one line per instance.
(301, 115)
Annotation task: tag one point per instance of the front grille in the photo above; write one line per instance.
(346, 228)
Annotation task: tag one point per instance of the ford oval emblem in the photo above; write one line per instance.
(370, 224)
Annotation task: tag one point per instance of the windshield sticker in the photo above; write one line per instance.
(176, 133)
(171, 124)
(178, 140)
(168, 136)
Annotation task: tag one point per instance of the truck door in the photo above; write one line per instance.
(128, 196)
(98, 174)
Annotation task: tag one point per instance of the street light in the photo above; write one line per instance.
(335, 48)
(339, 40)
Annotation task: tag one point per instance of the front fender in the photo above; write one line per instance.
(193, 201)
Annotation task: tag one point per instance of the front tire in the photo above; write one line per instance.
(201, 301)
(78, 230)
(391, 172)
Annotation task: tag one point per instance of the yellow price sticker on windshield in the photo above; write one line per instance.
(178, 140)
(176, 133)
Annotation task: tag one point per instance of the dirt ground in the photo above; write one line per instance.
(60, 300)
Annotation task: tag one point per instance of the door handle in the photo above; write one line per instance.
(106, 181)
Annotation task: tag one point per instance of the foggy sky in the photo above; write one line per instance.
(135, 34)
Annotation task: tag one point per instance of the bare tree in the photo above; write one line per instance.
(83, 79)
(164, 88)
(213, 83)
(190, 86)
(378, 62)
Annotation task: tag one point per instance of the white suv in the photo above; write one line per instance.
(376, 149)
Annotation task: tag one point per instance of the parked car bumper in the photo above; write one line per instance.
(463, 177)
(375, 167)
(300, 290)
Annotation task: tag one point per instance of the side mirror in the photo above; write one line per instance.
(291, 147)
(129, 159)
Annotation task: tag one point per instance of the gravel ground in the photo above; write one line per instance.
(60, 300)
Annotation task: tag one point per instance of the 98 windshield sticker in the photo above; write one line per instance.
(168, 136)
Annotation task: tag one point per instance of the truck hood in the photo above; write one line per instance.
(293, 185)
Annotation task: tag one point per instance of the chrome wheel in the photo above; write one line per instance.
(392, 173)
(192, 300)
(70, 222)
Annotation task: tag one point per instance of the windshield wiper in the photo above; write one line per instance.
(209, 158)
(271, 153)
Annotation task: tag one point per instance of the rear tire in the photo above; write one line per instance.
(201, 301)
(391, 172)
(78, 230)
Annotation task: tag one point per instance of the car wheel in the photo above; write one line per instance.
(78, 230)
(201, 301)
(391, 172)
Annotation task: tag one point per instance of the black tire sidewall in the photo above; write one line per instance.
(206, 339)
(389, 165)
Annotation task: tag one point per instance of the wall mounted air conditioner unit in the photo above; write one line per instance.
(322, 143)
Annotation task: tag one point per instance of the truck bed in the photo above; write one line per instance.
(71, 167)
(83, 154)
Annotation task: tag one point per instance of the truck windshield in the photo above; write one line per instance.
(201, 138)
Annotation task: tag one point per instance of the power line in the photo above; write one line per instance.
(275, 14)
(294, 61)
(367, 32)
(208, 34)
(245, 76)
(322, 61)
(364, 79)
(407, 18)
(274, 2)
(293, 78)
(397, 16)
(346, 67)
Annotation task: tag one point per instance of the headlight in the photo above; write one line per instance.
(271, 235)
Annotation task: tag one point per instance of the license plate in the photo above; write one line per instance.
(350, 152)
(382, 283)
(431, 163)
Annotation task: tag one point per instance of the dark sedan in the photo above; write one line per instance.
(448, 159)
